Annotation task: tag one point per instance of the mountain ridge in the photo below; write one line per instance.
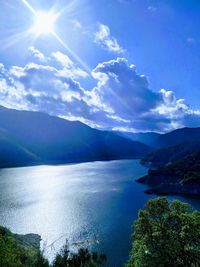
(181, 135)
(52, 140)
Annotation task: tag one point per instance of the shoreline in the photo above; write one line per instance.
(69, 163)
(168, 185)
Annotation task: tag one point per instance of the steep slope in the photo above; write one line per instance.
(170, 154)
(177, 136)
(13, 153)
(177, 162)
(55, 140)
(179, 177)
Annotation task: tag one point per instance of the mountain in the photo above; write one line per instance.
(20, 250)
(28, 138)
(180, 177)
(13, 153)
(177, 161)
(170, 154)
(178, 136)
(147, 138)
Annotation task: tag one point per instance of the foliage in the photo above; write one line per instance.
(14, 254)
(166, 234)
(168, 155)
(81, 259)
(187, 169)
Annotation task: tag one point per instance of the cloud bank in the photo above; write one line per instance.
(120, 100)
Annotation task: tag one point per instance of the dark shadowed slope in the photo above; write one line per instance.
(170, 154)
(180, 177)
(12, 153)
(33, 137)
(178, 136)
(178, 162)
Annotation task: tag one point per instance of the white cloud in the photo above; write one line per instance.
(76, 24)
(63, 59)
(129, 97)
(36, 53)
(69, 68)
(191, 41)
(121, 98)
(17, 71)
(152, 9)
(2, 68)
(105, 40)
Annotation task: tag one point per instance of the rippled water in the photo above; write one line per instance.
(90, 204)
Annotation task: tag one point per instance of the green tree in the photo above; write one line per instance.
(14, 254)
(166, 234)
(83, 258)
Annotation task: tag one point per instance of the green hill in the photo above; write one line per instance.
(179, 177)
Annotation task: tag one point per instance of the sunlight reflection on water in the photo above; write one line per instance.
(91, 204)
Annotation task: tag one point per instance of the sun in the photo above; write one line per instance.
(44, 23)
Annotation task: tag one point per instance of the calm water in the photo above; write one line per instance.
(91, 204)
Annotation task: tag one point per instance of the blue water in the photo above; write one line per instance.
(90, 204)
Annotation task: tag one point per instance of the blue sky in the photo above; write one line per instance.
(114, 64)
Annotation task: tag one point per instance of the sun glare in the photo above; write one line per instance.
(44, 23)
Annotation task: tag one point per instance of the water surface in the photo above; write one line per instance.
(91, 204)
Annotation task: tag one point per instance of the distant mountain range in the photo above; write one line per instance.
(173, 146)
(148, 138)
(32, 138)
(177, 160)
(176, 137)
(28, 138)
(157, 140)
(168, 155)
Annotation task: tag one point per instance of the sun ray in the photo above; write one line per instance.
(69, 8)
(14, 39)
(50, 29)
(29, 7)
(74, 55)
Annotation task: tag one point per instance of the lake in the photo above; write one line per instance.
(89, 204)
